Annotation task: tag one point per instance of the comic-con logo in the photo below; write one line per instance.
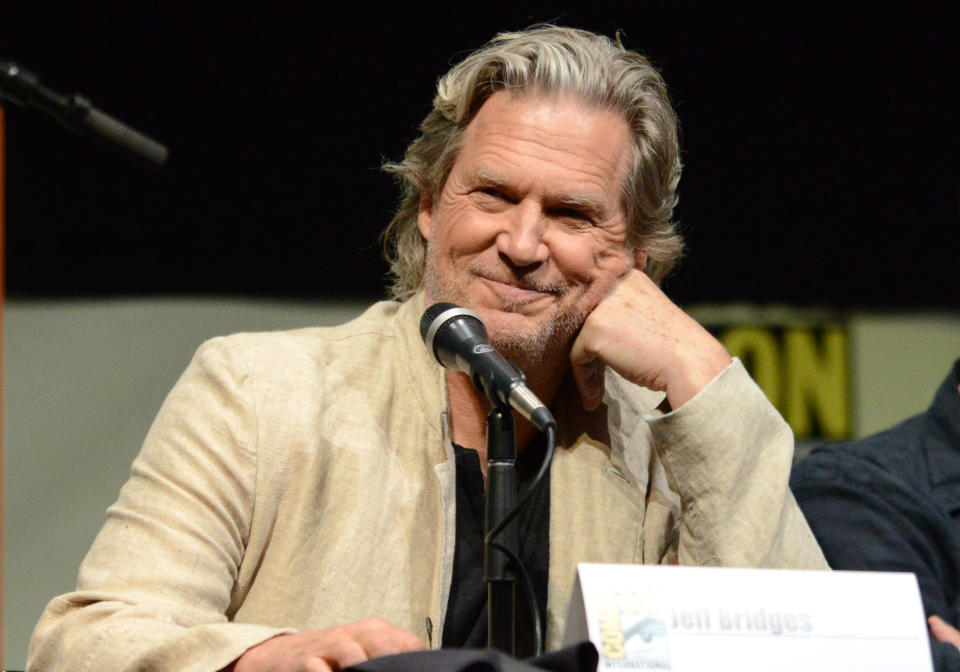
(633, 633)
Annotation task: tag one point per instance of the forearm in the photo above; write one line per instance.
(155, 590)
(728, 453)
(79, 632)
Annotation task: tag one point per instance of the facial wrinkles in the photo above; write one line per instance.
(524, 348)
(546, 161)
(577, 169)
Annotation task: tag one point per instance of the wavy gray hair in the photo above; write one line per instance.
(546, 59)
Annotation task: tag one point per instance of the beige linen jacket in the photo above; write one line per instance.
(304, 479)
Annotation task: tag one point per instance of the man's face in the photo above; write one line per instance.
(529, 230)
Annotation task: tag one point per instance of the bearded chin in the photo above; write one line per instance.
(549, 343)
(530, 346)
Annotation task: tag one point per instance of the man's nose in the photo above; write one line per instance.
(522, 238)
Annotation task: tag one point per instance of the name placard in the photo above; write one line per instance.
(691, 619)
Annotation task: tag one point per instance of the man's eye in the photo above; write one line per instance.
(493, 192)
(572, 214)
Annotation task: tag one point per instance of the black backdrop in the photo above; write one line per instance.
(822, 147)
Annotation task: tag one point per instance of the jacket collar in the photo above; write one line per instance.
(423, 374)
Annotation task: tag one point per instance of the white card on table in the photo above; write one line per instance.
(692, 619)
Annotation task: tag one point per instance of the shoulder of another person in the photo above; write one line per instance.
(877, 464)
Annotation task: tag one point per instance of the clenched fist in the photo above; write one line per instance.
(642, 335)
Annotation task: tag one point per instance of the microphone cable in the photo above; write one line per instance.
(526, 582)
(457, 338)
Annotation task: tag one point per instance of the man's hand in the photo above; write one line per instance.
(943, 631)
(642, 335)
(328, 648)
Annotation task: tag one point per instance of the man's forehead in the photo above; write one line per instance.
(594, 137)
(594, 183)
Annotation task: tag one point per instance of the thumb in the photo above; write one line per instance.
(588, 372)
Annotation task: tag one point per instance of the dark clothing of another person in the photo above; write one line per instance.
(891, 502)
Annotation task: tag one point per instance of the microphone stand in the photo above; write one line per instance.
(501, 499)
(76, 113)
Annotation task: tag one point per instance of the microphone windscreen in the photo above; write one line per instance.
(432, 313)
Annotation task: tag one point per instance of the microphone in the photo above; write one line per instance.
(76, 113)
(457, 339)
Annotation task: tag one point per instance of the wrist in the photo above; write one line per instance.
(695, 373)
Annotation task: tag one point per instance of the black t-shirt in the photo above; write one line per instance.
(465, 624)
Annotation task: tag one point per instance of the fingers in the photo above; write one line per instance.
(329, 649)
(604, 340)
(344, 651)
(317, 665)
(371, 638)
(943, 631)
(637, 331)
(588, 372)
(375, 637)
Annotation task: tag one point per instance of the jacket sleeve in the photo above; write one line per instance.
(157, 587)
(727, 453)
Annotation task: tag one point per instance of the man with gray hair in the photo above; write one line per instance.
(303, 500)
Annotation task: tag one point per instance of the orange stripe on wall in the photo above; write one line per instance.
(3, 273)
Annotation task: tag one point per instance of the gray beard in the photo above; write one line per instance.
(549, 346)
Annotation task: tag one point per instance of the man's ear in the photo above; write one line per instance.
(639, 259)
(425, 214)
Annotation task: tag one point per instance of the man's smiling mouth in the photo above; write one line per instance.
(510, 289)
